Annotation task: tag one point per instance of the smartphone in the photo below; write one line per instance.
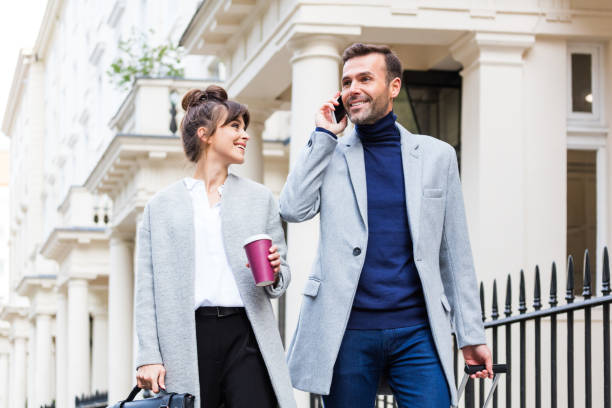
(340, 112)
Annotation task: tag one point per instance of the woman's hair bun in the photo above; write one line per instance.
(215, 92)
(196, 97)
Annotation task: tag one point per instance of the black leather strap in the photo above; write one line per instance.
(133, 394)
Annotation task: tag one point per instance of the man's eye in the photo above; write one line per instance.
(346, 84)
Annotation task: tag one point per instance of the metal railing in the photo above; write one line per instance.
(586, 305)
(535, 318)
(95, 400)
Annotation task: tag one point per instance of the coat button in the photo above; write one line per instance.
(356, 251)
(309, 142)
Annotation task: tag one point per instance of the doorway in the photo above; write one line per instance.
(582, 213)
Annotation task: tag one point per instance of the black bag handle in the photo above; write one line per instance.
(137, 389)
(133, 394)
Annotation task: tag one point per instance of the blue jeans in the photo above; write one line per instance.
(406, 356)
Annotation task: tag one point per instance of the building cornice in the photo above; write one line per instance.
(47, 26)
(28, 284)
(120, 159)
(20, 75)
(61, 241)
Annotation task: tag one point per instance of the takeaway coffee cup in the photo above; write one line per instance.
(257, 248)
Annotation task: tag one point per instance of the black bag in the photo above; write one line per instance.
(163, 400)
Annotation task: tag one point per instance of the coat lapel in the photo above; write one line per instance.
(412, 163)
(353, 154)
(182, 209)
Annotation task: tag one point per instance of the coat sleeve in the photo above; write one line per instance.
(457, 265)
(144, 306)
(275, 230)
(301, 196)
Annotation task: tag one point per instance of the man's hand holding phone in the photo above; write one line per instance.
(326, 115)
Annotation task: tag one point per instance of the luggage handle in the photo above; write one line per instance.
(498, 369)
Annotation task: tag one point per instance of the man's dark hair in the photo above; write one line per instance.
(394, 66)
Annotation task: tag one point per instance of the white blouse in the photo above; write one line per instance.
(214, 281)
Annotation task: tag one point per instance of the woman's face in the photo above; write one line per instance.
(228, 144)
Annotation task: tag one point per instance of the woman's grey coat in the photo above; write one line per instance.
(330, 180)
(164, 306)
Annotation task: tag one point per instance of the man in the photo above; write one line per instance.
(394, 267)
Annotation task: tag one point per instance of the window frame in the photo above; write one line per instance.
(596, 117)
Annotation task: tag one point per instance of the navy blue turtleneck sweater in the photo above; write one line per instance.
(389, 294)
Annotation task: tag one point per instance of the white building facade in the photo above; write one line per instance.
(522, 89)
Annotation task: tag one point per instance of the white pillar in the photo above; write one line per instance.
(18, 372)
(61, 350)
(78, 340)
(30, 367)
(99, 352)
(42, 392)
(315, 78)
(4, 372)
(492, 149)
(120, 309)
(252, 168)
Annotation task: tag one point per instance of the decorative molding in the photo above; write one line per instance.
(61, 241)
(484, 48)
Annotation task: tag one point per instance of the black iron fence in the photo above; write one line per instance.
(95, 400)
(530, 322)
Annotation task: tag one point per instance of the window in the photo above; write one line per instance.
(584, 87)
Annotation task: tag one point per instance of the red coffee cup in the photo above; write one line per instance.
(257, 248)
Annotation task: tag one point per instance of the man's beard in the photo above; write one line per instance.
(377, 110)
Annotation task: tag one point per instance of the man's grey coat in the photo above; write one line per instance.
(330, 180)
(164, 307)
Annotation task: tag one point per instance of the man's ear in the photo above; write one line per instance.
(395, 86)
(202, 133)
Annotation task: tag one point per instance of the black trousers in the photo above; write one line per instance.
(231, 369)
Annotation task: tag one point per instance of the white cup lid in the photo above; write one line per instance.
(257, 237)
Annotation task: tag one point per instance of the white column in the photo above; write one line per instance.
(252, 167)
(18, 372)
(61, 350)
(42, 392)
(30, 367)
(493, 149)
(4, 371)
(120, 310)
(78, 340)
(99, 352)
(315, 78)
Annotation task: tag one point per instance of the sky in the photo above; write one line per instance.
(19, 24)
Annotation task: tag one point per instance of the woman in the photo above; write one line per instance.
(203, 326)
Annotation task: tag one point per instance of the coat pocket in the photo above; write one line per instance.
(311, 288)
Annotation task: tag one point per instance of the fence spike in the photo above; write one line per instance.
(569, 287)
(552, 300)
(537, 303)
(605, 276)
(586, 280)
(482, 302)
(522, 308)
(508, 307)
(494, 311)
